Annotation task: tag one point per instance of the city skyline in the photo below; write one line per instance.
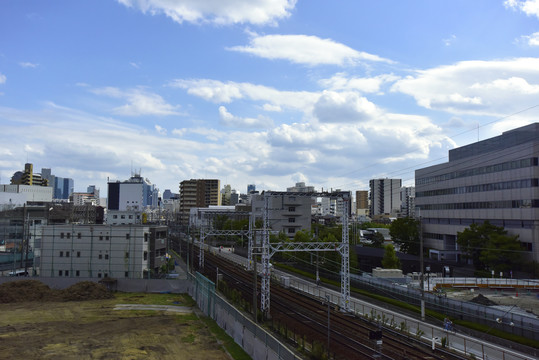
(265, 92)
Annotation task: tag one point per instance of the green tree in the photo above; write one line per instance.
(377, 240)
(390, 259)
(489, 247)
(405, 233)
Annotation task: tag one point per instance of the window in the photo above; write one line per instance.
(130, 216)
(67, 272)
(127, 255)
(68, 235)
(100, 256)
(291, 230)
(127, 236)
(291, 220)
(106, 256)
(115, 216)
(67, 253)
(61, 254)
(98, 275)
(77, 273)
(291, 208)
(61, 235)
(100, 237)
(78, 254)
(123, 216)
(107, 237)
(145, 255)
(145, 237)
(79, 236)
(59, 272)
(127, 274)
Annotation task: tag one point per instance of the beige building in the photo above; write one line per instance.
(362, 202)
(198, 193)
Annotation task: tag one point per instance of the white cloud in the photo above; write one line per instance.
(450, 40)
(258, 12)
(494, 88)
(529, 7)
(530, 40)
(272, 107)
(341, 81)
(234, 121)
(135, 65)
(304, 49)
(220, 92)
(344, 107)
(160, 130)
(2, 78)
(139, 102)
(28, 65)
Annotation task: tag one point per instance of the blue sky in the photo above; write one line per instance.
(269, 92)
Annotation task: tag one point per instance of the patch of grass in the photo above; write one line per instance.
(233, 349)
(154, 299)
(189, 339)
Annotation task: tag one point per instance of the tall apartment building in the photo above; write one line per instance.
(198, 193)
(95, 251)
(362, 203)
(385, 198)
(495, 179)
(407, 201)
(27, 177)
(63, 187)
(300, 187)
(134, 194)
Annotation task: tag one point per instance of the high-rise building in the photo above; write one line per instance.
(134, 194)
(63, 187)
(27, 177)
(496, 179)
(385, 196)
(198, 193)
(251, 188)
(362, 202)
(407, 201)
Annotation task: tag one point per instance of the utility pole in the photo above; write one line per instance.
(422, 270)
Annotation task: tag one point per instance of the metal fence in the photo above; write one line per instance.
(517, 324)
(255, 340)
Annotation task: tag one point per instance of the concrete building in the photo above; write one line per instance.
(27, 177)
(134, 194)
(287, 213)
(385, 197)
(362, 203)
(495, 179)
(32, 193)
(407, 201)
(88, 251)
(300, 187)
(198, 193)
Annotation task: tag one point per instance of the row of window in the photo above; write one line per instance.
(503, 204)
(512, 224)
(77, 273)
(505, 185)
(527, 246)
(106, 256)
(508, 165)
(101, 237)
(124, 216)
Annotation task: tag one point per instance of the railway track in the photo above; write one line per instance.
(306, 317)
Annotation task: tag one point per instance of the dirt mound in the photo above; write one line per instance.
(86, 290)
(482, 300)
(33, 290)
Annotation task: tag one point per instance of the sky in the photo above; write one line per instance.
(264, 92)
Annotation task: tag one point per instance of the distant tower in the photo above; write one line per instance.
(251, 188)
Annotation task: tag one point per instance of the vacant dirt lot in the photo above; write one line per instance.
(92, 329)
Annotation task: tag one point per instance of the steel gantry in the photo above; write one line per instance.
(267, 250)
(206, 228)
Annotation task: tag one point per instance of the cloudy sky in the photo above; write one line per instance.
(268, 92)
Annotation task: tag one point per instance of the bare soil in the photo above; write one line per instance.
(53, 326)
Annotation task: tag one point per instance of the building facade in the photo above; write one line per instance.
(362, 203)
(134, 194)
(198, 193)
(495, 179)
(385, 198)
(407, 201)
(97, 251)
